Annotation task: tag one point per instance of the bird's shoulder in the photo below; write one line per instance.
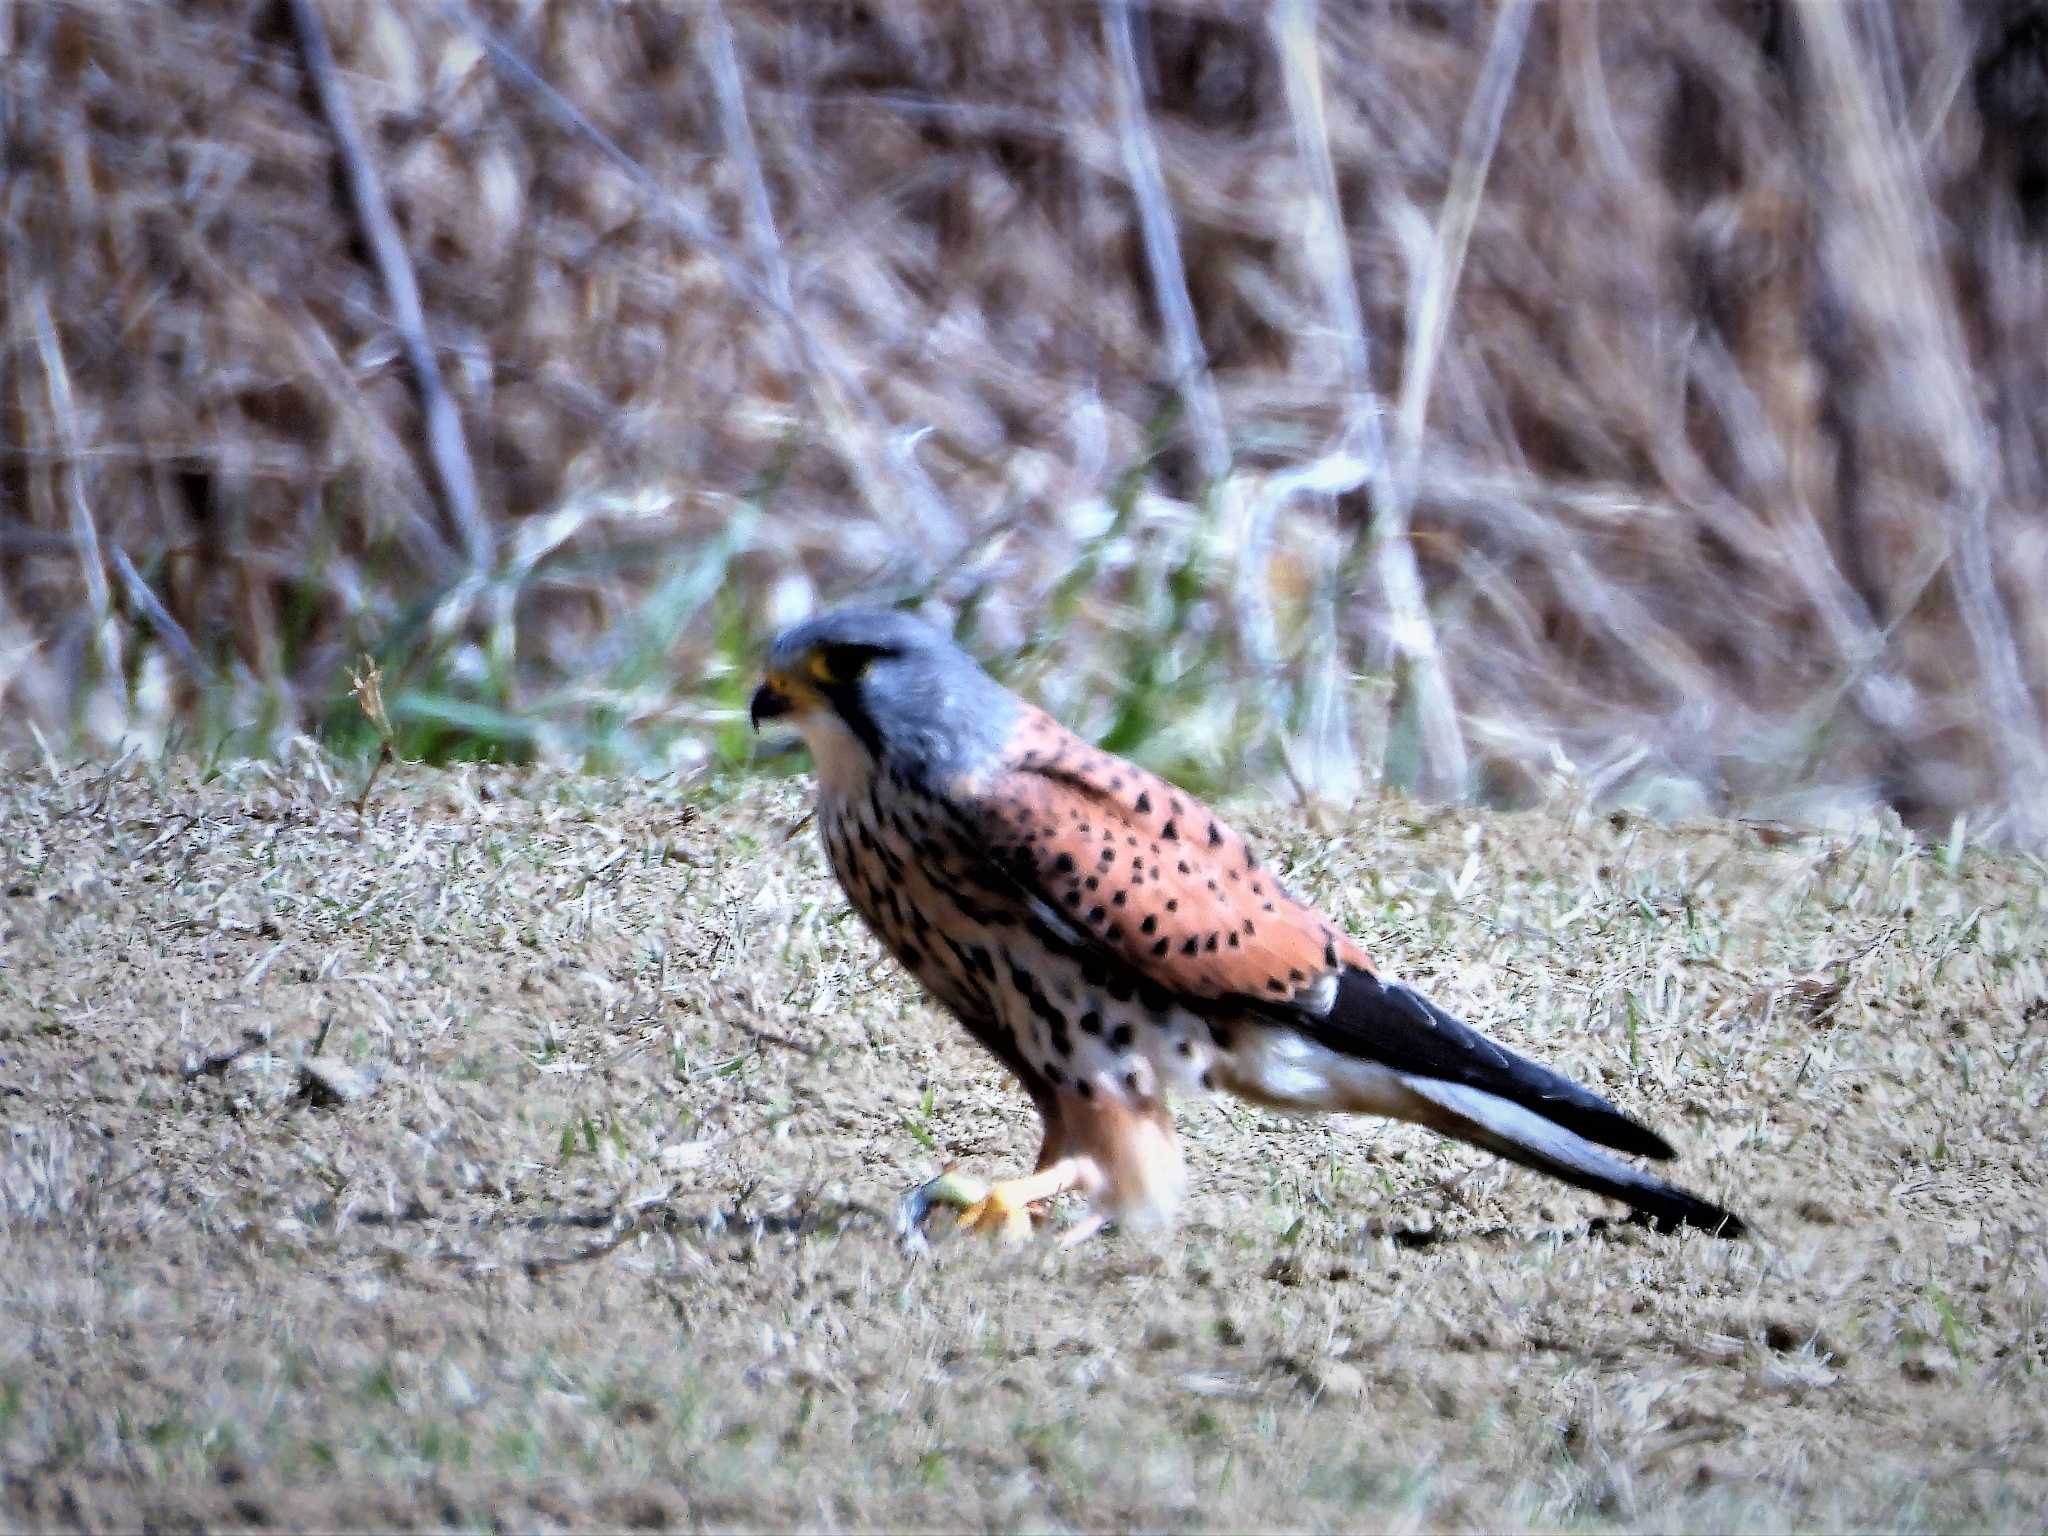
(1147, 871)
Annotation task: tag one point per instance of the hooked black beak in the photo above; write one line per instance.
(769, 702)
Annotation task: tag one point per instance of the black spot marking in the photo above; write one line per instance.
(1091, 1023)
(1097, 914)
(1119, 898)
(1220, 1033)
(1144, 805)
(1173, 903)
(1191, 945)
(1233, 941)
(1120, 1038)
(1184, 868)
(1150, 925)
(1185, 1048)
(1215, 835)
(1294, 975)
(1209, 1082)
(1064, 864)
(1092, 883)
(1131, 1084)
(1249, 929)
(1330, 953)
(1162, 947)
(1209, 944)
(1275, 984)
(1054, 1075)
(1085, 1088)
(1170, 832)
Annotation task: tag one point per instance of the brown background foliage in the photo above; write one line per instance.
(1729, 486)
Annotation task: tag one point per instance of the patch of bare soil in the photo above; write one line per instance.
(526, 1152)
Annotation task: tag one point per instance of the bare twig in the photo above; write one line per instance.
(1185, 354)
(890, 481)
(641, 1222)
(447, 453)
(168, 629)
(1363, 454)
(770, 1037)
(1414, 635)
(216, 1062)
(85, 535)
(368, 688)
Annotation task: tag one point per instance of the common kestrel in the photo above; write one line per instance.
(1114, 942)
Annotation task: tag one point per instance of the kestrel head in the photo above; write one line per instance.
(867, 686)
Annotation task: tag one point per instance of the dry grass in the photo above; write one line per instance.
(606, 1243)
(1413, 394)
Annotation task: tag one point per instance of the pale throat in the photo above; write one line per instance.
(842, 762)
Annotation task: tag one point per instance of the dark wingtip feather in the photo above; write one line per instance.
(1398, 1027)
(1626, 1134)
(1522, 1135)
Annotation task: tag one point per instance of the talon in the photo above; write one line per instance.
(1006, 1209)
(950, 1188)
(998, 1214)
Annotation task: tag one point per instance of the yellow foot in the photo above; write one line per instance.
(1003, 1209)
(1005, 1212)
(952, 1189)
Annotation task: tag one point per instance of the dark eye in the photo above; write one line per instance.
(840, 664)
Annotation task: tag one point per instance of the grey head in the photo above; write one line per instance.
(892, 687)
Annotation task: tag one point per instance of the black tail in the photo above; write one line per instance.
(1398, 1027)
(1469, 1087)
(1521, 1136)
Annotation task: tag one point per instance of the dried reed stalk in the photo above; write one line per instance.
(1712, 470)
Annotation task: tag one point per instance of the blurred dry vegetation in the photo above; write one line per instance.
(1454, 395)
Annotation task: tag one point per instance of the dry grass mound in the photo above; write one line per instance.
(522, 1152)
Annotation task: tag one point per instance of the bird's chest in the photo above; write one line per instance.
(938, 906)
(908, 873)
